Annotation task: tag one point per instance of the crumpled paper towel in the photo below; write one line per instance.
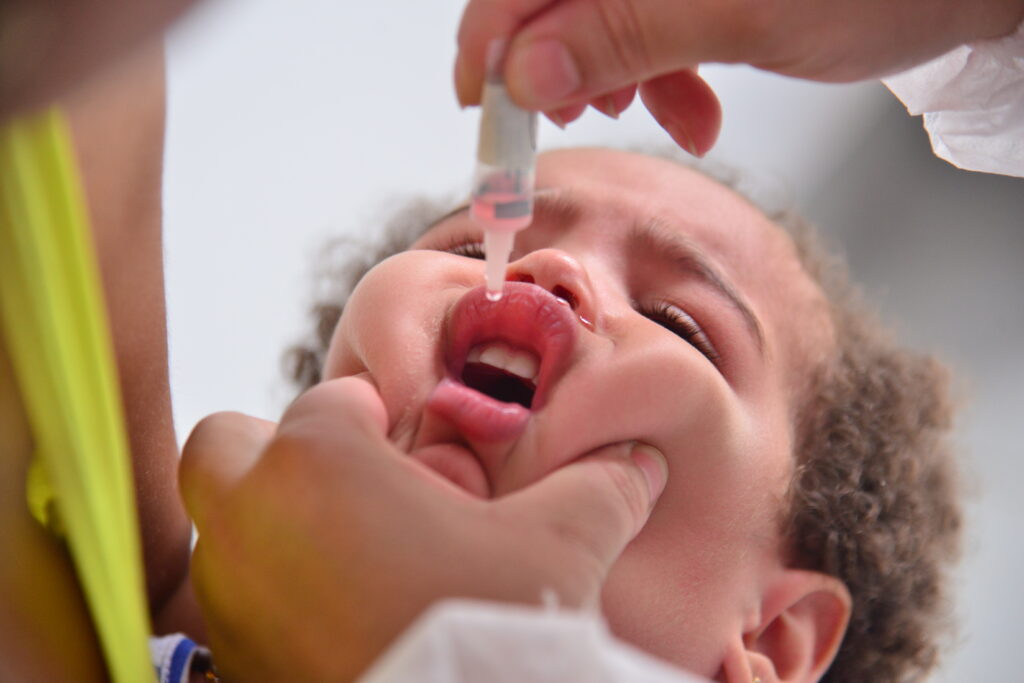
(972, 99)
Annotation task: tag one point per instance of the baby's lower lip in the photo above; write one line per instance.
(476, 415)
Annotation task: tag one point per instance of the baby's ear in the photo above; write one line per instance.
(803, 619)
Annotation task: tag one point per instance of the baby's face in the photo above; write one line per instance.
(652, 305)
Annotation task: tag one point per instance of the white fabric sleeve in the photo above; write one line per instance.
(464, 641)
(973, 103)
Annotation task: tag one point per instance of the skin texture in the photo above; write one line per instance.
(118, 123)
(693, 584)
(564, 54)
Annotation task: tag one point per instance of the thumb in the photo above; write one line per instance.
(578, 50)
(600, 502)
(220, 451)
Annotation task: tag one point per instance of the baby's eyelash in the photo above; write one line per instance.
(680, 323)
(467, 247)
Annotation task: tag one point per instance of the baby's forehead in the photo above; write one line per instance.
(639, 188)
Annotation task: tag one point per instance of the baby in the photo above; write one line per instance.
(810, 511)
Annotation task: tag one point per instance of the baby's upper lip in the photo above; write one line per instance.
(527, 317)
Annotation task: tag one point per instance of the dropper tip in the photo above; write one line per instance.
(498, 246)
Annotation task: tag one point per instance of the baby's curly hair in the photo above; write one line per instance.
(873, 498)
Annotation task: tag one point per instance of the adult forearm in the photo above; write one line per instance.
(118, 125)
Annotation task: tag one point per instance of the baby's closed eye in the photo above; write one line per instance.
(679, 322)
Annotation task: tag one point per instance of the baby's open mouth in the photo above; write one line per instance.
(503, 359)
(502, 372)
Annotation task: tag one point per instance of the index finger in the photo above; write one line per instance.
(483, 21)
(336, 406)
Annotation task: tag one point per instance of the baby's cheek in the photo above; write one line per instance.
(340, 359)
(383, 314)
(723, 455)
(680, 405)
(674, 590)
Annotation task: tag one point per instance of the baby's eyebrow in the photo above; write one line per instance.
(656, 239)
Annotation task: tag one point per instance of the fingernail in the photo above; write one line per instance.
(462, 86)
(606, 105)
(543, 73)
(556, 119)
(683, 139)
(654, 466)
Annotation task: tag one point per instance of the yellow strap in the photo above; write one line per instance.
(54, 321)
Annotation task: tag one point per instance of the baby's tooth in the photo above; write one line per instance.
(524, 365)
(521, 363)
(495, 356)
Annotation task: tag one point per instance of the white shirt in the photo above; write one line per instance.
(466, 641)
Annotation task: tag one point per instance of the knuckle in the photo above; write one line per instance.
(629, 40)
(742, 29)
(576, 535)
(289, 448)
(631, 490)
(307, 455)
(620, 511)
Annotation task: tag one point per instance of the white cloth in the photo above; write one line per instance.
(172, 657)
(464, 641)
(973, 103)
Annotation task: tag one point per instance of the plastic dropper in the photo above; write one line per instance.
(502, 199)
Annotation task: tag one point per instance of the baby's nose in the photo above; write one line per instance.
(559, 273)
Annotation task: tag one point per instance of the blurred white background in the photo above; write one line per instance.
(292, 122)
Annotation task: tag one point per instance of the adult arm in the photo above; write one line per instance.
(117, 121)
(566, 53)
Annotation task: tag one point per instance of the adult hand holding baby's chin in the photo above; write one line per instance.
(320, 541)
(564, 54)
